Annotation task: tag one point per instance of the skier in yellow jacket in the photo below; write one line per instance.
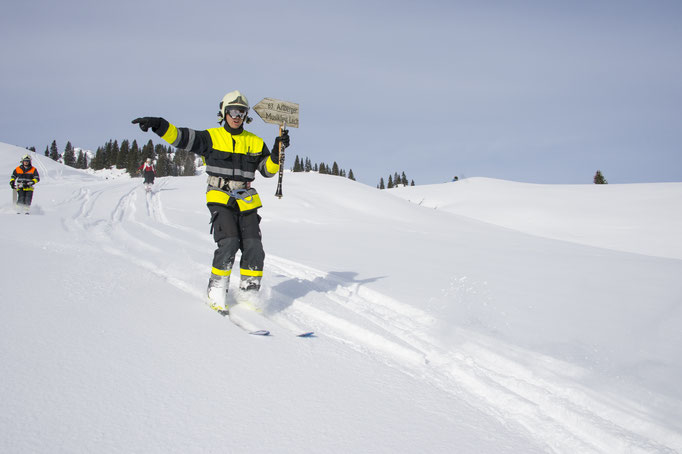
(232, 156)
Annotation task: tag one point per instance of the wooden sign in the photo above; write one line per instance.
(278, 112)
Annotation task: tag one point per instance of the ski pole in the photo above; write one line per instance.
(278, 192)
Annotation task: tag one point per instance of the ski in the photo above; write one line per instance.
(257, 332)
(249, 326)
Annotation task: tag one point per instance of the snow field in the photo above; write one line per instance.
(435, 331)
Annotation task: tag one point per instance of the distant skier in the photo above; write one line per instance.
(149, 173)
(23, 179)
(232, 156)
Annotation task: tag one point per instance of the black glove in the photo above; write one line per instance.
(158, 124)
(284, 140)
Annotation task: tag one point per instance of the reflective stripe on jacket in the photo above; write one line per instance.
(231, 156)
(23, 174)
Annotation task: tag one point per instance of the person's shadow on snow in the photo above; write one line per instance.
(285, 293)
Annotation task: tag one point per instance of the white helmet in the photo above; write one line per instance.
(149, 159)
(233, 99)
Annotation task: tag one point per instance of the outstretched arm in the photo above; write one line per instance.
(183, 138)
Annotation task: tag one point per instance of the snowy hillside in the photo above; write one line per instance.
(639, 218)
(510, 318)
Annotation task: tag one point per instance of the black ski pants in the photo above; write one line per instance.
(233, 231)
(24, 197)
(149, 177)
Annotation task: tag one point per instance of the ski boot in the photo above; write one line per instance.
(249, 295)
(249, 284)
(217, 292)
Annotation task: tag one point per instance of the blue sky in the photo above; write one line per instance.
(533, 91)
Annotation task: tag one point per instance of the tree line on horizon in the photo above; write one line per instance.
(306, 165)
(128, 155)
(169, 161)
(395, 180)
(176, 162)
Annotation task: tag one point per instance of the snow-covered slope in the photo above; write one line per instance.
(639, 218)
(436, 332)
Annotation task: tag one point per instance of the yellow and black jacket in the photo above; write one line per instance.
(231, 155)
(24, 174)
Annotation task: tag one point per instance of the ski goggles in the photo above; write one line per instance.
(236, 112)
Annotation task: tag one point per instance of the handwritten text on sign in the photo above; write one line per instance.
(278, 112)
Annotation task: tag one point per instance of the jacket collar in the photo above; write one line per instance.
(232, 131)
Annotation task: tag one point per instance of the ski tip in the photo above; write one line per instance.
(308, 334)
(260, 332)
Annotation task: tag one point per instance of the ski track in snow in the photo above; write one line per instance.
(546, 400)
(548, 406)
(113, 236)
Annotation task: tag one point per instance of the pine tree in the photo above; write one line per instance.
(190, 165)
(163, 164)
(54, 152)
(350, 175)
(113, 157)
(599, 178)
(69, 155)
(297, 165)
(134, 158)
(403, 179)
(122, 158)
(98, 161)
(179, 162)
(80, 161)
(148, 151)
(412, 183)
(335, 169)
(47, 152)
(105, 160)
(308, 165)
(110, 154)
(390, 182)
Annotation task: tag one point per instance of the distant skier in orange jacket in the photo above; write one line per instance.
(22, 181)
